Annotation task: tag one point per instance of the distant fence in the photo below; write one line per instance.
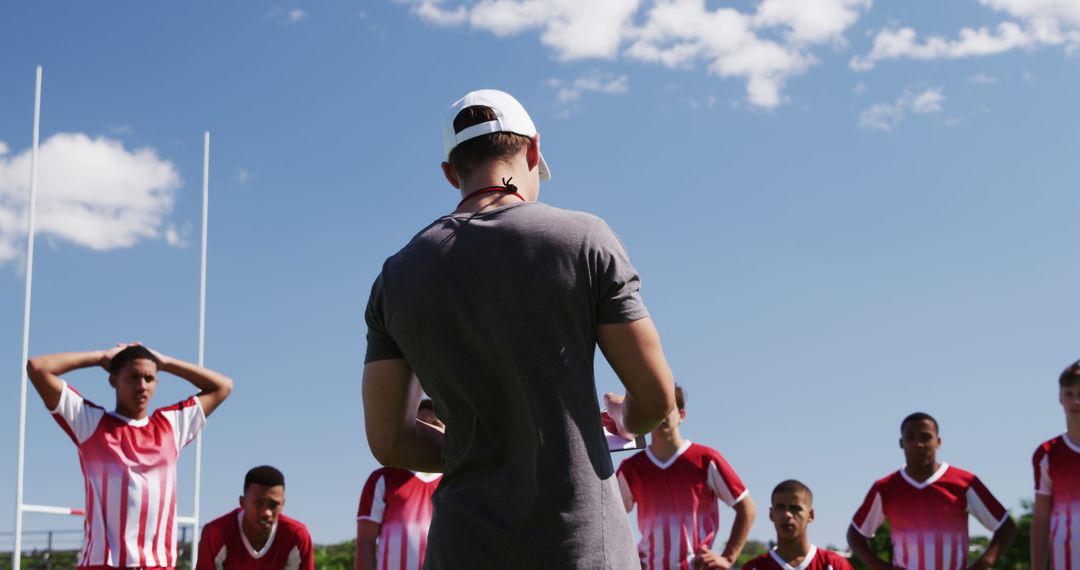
(59, 549)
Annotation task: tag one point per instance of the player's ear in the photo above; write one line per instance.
(112, 380)
(811, 517)
(241, 501)
(532, 152)
(450, 175)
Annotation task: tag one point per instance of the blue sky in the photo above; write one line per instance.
(843, 211)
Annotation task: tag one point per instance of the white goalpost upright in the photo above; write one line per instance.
(20, 506)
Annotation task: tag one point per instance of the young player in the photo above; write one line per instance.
(395, 513)
(675, 484)
(257, 536)
(927, 503)
(1055, 524)
(791, 512)
(128, 456)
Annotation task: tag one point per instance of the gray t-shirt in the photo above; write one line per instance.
(497, 313)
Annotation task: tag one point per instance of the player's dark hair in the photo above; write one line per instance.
(1070, 376)
(264, 475)
(680, 397)
(793, 486)
(130, 353)
(920, 417)
(469, 155)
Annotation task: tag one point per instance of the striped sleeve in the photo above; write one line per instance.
(373, 499)
(187, 420)
(871, 514)
(78, 417)
(725, 482)
(1041, 463)
(984, 507)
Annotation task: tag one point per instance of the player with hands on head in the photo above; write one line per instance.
(791, 512)
(676, 484)
(128, 456)
(927, 503)
(1056, 518)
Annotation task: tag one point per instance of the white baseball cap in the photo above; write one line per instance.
(510, 117)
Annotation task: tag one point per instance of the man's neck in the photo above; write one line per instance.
(664, 445)
(255, 537)
(493, 176)
(1073, 430)
(793, 551)
(921, 473)
(130, 414)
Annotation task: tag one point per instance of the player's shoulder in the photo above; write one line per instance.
(891, 481)
(391, 475)
(955, 474)
(697, 450)
(635, 461)
(179, 406)
(1048, 447)
(760, 562)
(293, 527)
(833, 560)
(222, 524)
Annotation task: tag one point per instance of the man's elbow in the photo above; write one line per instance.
(747, 508)
(35, 368)
(226, 388)
(383, 447)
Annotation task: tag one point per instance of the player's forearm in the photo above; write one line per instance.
(745, 512)
(860, 546)
(365, 555)
(418, 449)
(63, 362)
(1000, 542)
(206, 380)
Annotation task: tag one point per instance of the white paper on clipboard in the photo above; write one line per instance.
(616, 441)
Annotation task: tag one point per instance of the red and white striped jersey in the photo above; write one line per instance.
(225, 547)
(400, 501)
(929, 519)
(816, 559)
(676, 501)
(129, 469)
(1057, 473)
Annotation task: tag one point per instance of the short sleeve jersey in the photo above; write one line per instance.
(129, 468)
(224, 546)
(816, 559)
(497, 313)
(1057, 474)
(929, 519)
(677, 501)
(399, 501)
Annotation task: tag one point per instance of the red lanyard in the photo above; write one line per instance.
(506, 187)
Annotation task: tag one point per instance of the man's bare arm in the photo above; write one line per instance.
(367, 533)
(213, 386)
(633, 349)
(396, 437)
(745, 513)
(1040, 531)
(44, 371)
(860, 546)
(999, 543)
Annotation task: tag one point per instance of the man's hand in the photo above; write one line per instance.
(707, 559)
(108, 354)
(615, 406)
(979, 564)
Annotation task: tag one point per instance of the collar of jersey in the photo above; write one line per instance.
(427, 477)
(805, 561)
(256, 554)
(933, 478)
(665, 464)
(129, 421)
(1069, 443)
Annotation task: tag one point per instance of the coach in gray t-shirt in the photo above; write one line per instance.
(498, 308)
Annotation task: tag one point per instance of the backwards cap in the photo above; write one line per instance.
(510, 117)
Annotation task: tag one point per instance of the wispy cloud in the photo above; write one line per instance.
(982, 79)
(886, 117)
(91, 192)
(242, 176)
(764, 46)
(596, 82)
(288, 15)
(1035, 23)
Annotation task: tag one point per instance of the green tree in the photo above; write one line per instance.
(881, 544)
(339, 556)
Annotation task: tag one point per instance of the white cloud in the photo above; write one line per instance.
(1037, 23)
(288, 16)
(982, 79)
(91, 191)
(674, 33)
(242, 176)
(887, 116)
(177, 237)
(571, 91)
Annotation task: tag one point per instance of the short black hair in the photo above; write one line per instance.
(920, 417)
(793, 486)
(680, 397)
(1070, 376)
(264, 475)
(130, 353)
